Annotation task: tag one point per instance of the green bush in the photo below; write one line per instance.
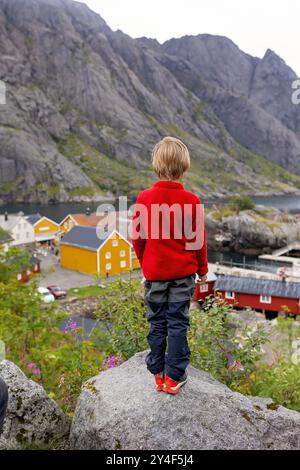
(122, 311)
(279, 380)
(211, 338)
(241, 203)
(33, 341)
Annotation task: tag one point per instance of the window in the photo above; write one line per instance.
(265, 299)
(19, 277)
(27, 234)
(17, 236)
(203, 287)
(115, 243)
(122, 253)
(108, 266)
(108, 255)
(229, 295)
(123, 264)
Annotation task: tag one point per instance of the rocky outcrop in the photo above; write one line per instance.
(120, 409)
(251, 96)
(252, 231)
(88, 102)
(32, 419)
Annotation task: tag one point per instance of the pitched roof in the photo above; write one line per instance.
(92, 220)
(4, 236)
(87, 220)
(249, 285)
(84, 237)
(33, 218)
(11, 222)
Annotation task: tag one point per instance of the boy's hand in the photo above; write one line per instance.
(201, 279)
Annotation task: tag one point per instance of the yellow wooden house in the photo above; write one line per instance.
(85, 250)
(45, 229)
(85, 220)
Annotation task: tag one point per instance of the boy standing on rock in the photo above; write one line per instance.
(170, 242)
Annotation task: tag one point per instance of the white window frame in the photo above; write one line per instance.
(108, 266)
(262, 299)
(204, 287)
(122, 253)
(229, 295)
(115, 243)
(123, 264)
(19, 276)
(108, 255)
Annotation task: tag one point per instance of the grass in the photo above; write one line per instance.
(87, 291)
(106, 172)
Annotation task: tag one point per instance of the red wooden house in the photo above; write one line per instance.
(205, 290)
(268, 296)
(26, 272)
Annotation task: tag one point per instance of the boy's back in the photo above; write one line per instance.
(169, 240)
(169, 211)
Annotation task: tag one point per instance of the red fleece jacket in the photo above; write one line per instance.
(164, 257)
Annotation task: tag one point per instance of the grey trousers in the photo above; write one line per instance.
(168, 305)
(3, 402)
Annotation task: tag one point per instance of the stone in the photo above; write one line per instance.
(120, 409)
(32, 418)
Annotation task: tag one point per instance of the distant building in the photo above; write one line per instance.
(18, 227)
(84, 220)
(26, 272)
(205, 290)
(82, 250)
(260, 294)
(45, 229)
(122, 221)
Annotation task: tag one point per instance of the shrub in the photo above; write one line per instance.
(33, 341)
(211, 338)
(241, 203)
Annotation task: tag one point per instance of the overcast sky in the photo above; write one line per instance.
(254, 25)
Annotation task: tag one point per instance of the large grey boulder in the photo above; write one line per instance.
(120, 409)
(32, 418)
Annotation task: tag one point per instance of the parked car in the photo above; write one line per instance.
(47, 297)
(57, 292)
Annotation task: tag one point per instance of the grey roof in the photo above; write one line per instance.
(84, 237)
(248, 285)
(33, 218)
(5, 236)
(9, 224)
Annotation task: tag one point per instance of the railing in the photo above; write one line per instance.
(271, 267)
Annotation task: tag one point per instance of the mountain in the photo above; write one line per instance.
(85, 105)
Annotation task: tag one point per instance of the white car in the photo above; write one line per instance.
(47, 297)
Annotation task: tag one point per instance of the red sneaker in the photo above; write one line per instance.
(159, 381)
(173, 387)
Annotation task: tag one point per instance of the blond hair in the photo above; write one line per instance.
(170, 159)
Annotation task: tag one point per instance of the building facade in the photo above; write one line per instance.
(82, 250)
(18, 227)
